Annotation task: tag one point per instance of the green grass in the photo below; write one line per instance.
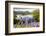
(22, 26)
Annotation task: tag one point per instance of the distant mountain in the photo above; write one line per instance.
(22, 12)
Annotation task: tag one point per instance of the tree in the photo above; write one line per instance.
(36, 15)
(15, 20)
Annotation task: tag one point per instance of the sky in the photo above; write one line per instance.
(24, 9)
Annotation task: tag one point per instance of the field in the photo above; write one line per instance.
(27, 25)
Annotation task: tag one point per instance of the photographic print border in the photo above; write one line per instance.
(6, 18)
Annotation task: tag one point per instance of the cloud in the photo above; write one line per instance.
(23, 9)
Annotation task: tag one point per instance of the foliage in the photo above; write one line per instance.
(36, 15)
(15, 20)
